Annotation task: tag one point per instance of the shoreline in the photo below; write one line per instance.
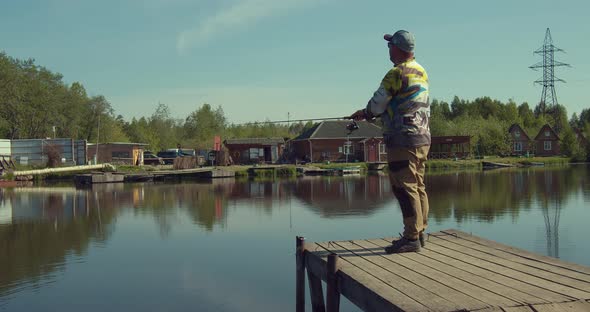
(292, 170)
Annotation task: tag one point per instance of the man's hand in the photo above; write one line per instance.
(359, 115)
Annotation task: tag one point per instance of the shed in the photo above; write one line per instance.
(255, 150)
(117, 153)
(450, 147)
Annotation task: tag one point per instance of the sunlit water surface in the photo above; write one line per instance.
(229, 245)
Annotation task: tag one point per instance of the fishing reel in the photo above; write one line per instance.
(352, 126)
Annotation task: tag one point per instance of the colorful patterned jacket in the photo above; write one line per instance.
(402, 102)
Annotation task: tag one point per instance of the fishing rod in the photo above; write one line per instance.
(293, 120)
(352, 126)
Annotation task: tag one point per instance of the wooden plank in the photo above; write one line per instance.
(488, 284)
(520, 252)
(499, 274)
(492, 309)
(443, 285)
(518, 309)
(572, 287)
(574, 306)
(419, 278)
(366, 292)
(365, 261)
(522, 260)
(520, 291)
(473, 290)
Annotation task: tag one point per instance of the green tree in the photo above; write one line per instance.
(526, 115)
(203, 124)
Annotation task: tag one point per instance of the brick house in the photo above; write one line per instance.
(331, 141)
(521, 142)
(547, 142)
(255, 150)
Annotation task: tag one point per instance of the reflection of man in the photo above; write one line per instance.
(402, 102)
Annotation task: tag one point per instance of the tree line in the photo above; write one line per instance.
(487, 121)
(36, 103)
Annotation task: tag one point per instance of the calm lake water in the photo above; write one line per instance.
(229, 245)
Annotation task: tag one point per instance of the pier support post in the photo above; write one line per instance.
(332, 294)
(300, 277)
(316, 293)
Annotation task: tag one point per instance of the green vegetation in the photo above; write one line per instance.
(487, 121)
(436, 164)
(362, 165)
(34, 100)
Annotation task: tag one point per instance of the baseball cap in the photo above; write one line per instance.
(402, 39)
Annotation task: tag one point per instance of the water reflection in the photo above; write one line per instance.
(344, 196)
(43, 228)
(487, 195)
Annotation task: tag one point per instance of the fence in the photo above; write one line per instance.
(37, 152)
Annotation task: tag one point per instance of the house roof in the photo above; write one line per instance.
(336, 129)
(518, 127)
(258, 141)
(540, 135)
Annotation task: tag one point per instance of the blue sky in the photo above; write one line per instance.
(260, 59)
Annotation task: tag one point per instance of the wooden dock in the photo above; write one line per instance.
(160, 175)
(454, 272)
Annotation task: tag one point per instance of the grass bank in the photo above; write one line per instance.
(476, 163)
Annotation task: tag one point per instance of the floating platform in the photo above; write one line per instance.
(376, 166)
(454, 272)
(161, 175)
(494, 165)
(92, 178)
(313, 171)
(197, 173)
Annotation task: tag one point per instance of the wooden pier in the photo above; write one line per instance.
(160, 175)
(454, 272)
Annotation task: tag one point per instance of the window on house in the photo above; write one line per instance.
(254, 153)
(517, 134)
(340, 149)
(121, 154)
(517, 146)
(547, 145)
(381, 148)
(547, 133)
(348, 149)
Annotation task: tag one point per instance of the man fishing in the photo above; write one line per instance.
(402, 103)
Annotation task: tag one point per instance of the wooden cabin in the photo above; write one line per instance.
(521, 142)
(450, 147)
(547, 142)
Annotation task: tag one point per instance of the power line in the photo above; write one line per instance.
(547, 65)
